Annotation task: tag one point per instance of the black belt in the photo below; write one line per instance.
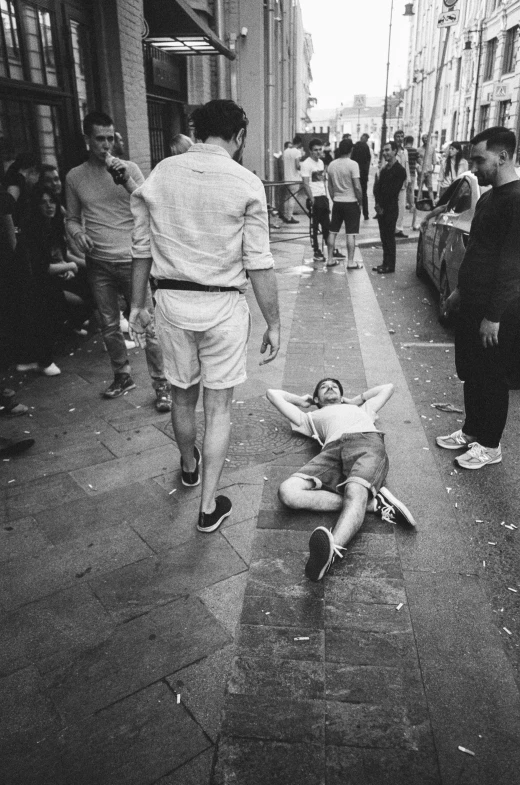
(171, 283)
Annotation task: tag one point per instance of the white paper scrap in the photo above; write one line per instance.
(465, 749)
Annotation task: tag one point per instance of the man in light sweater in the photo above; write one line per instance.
(100, 221)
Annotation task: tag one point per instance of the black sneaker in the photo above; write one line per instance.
(338, 255)
(210, 521)
(318, 256)
(121, 384)
(391, 509)
(190, 479)
(322, 552)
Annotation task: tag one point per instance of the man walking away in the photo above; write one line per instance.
(387, 188)
(487, 335)
(100, 222)
(200, 225)
(402, 158)
(412, 166)
(345, 191)
(291, 172)
(426, 164)
(362, 155)
(313, 173)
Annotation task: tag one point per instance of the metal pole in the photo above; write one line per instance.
(221, 63)
(472, 133)
(421, 109)
(432, 121)
(269, 98)
(385, 108)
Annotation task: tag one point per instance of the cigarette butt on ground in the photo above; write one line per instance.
(398, 608)
(302, 638)
(465, 750)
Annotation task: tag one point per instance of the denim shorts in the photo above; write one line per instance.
(354, 457)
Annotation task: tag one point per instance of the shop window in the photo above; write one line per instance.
(503, 112)
(40, 47)
(47, 128)
(15, 130)
(491, 51)
(457, 74)
(510, 48)
(484, 117)
(82, 72)
(10, 55)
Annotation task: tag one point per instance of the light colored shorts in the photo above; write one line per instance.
(216, 356)
(354, 457)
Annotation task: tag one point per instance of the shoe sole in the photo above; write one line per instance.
(481, 466)
(398, 504)
(452, 446)
(209, 529)
(319, 545)
(119, 394)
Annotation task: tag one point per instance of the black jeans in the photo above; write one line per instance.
(387, 223)
(320, 217)
(486, 373)
(363, 179)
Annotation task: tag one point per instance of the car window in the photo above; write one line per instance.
(461, 199)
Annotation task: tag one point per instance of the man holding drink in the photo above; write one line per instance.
(100, 221)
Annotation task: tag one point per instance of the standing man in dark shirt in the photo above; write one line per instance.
(387, 188)
(363, 157)
(487, 337)
(413, 154)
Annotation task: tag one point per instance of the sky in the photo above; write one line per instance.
(350, 40)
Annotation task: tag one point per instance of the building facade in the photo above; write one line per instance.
(480, 82)
(148, 63)
(354, 121)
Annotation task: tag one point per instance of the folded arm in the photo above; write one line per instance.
(290, 405)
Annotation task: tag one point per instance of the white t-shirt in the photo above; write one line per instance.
(342, 172)
(315, 171)
(331, 422)
(291, 157)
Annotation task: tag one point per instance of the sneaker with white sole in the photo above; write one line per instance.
(322, 552)
(391, 509)
(478, 456)
(455, 441)
(210, 521)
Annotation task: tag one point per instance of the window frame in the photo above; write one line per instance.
(491, 55)
(510, 48)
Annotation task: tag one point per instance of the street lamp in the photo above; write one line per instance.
(408, 11)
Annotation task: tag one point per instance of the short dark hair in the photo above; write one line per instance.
(345, 146)
(220, 117)
(95, 118)
(25, 161)
(366, 135)
(398, 131)
(392, 144)
(497, 138)
(408, 139)
(315, 143)
(44, 168)
(327, 379)
(297, 140)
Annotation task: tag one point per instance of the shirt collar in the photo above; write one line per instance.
(214, 149)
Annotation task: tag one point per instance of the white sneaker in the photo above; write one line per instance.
(22, 367)
(51, 370)
(123, 324)
(129, 344)
(478, 456)
(455, 441)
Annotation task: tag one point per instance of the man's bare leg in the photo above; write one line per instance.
(331, 244)
(217, 413)
(352, 513)
(298, 494)
(184, 423)
(351, 250)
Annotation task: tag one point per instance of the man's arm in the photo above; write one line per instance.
(290, 405)
(357, 190)
(132, 173)
(265, 289)
(376, 397)
(139, 320)
(74, 222)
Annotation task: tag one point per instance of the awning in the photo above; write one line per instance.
(173, 26)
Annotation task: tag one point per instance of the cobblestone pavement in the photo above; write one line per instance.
(136, 650)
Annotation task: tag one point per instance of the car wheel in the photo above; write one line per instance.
(444, 293)
(419, 260)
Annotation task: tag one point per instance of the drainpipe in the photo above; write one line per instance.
(269, 91)
(221, 62)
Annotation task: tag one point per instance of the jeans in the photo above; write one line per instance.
(387, 223)
(320, 217)
(107, 280)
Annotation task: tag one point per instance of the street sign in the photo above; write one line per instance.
(501, 92)
(449, 3)
(448, 18)
(360, 101)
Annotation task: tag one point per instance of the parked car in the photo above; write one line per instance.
(444, 233)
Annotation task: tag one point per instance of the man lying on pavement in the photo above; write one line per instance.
(347, 476)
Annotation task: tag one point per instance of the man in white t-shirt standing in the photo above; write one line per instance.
(347, 197)
(291, 173)
(347, 476)
(313, 173)
(201, 228)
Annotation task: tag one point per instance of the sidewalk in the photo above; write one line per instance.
(136, 650)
